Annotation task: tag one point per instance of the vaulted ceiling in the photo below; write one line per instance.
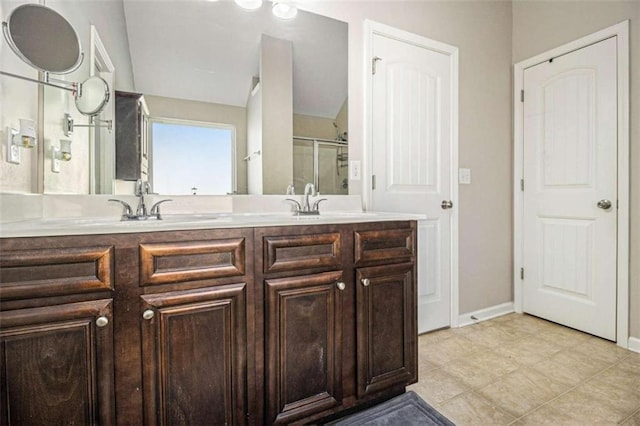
(209, 51)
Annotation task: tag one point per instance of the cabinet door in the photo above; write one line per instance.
(386, 327)
(303, 345)
(128, 137)
(56, 365)
(194, 356)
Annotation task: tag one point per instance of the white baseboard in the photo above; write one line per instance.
(485, 314)
(634, 344)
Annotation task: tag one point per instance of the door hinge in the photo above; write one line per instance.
(373, 64)
(522, 96)
(522, 273)
(373, 182)
(521, 184)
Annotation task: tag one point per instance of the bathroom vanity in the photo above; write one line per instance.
(258, 323)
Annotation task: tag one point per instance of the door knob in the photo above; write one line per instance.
(604, 204)
(446, 204)
(366, 282)
(341, 285)
(148, 314)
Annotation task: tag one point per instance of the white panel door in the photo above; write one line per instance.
(570, 172)
(411, 159)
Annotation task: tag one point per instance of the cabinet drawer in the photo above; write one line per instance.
(291, 252)
(390, 245)
(162, 263)
(55, 272)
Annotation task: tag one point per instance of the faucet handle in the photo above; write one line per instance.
(127, 211)
(291, 190)
(155, 209)
(317, 204)
(297, 204)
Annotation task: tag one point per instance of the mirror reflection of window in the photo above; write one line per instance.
(192, 158)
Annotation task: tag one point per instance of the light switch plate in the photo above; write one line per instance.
(464, 176)
(354, 170)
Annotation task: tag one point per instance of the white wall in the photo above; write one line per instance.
(254, 141)
(18, 99)
(541, 26)
(276, 84)
(482, 32)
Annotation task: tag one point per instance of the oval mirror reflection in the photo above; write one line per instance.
(93, 96)
(43, 38)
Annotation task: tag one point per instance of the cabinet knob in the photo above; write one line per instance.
(148, 314)
(341, 285)
(365, 282)
(102, 321)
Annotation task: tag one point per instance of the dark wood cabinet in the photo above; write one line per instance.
(56, 364)
(131, 130)
(194, 350)
(56, 333)
(330, 342)
(220, 326)
(386, 327)
(303, 345)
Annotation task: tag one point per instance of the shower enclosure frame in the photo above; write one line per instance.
(316, 163)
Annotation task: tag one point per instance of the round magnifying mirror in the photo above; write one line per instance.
(92, 96)
(43, 38)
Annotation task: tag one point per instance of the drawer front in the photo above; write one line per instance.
(391, 245)
(291, 252)
(163, 263)
(28, 274)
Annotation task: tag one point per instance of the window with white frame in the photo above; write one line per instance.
(192, 158)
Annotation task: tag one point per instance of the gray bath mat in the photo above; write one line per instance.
(405, 409)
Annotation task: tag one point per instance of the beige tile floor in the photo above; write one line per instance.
(522, 370)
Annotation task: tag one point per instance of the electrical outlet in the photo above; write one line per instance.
(464, 176)
(354, 170)
(13, 151)
(55, 162)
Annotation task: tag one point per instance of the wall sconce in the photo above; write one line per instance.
(60, 154)
(24, 137)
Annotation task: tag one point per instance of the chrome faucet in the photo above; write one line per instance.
(305, 208)
(141, 189)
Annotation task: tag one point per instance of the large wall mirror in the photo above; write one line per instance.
(202, 63)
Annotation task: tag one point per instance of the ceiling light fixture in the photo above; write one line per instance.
(284, 10)
(249, 4)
